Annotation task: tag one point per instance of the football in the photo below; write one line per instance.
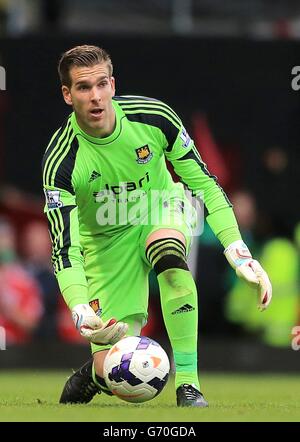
(136, 369)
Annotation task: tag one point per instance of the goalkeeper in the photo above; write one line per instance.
(100, 170)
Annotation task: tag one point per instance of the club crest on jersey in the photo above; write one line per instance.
(53, 199)
(143, 154)
(96, 306)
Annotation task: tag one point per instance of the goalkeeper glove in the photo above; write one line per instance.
(240, 259)
(91, 327)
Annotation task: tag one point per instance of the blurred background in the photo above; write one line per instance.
(226, 69)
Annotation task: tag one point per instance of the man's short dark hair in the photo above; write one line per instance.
(85, 55)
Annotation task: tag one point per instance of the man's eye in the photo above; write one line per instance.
(103, 83)
(82, 88)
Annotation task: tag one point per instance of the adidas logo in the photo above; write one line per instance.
(94, 176)
(184, 309)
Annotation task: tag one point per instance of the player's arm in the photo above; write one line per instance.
(67, 258)
(193, 172)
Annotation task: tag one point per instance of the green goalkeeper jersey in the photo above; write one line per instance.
(80, 170)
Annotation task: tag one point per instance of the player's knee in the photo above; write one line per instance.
(176, 286)
(165, 254)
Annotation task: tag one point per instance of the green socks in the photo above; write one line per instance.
(179, 302)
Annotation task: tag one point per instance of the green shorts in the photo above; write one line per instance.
(116, 266)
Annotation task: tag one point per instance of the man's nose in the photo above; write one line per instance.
(95, 95)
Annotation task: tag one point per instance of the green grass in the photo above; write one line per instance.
(33, 396)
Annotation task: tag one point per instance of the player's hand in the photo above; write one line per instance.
(91, 327)
(239, 257)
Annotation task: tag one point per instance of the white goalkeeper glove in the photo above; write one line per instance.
(240, 259)
(91, 327)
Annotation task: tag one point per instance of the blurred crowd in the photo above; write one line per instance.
(227, 304)
(31, 307)
(270, 224)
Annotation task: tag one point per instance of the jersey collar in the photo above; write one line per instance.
(96, 140)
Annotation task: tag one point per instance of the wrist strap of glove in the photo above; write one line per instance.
(237, 253)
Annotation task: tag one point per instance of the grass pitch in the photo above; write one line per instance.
(33, 396)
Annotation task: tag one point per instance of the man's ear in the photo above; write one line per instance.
(67, 95)
(113, 84)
